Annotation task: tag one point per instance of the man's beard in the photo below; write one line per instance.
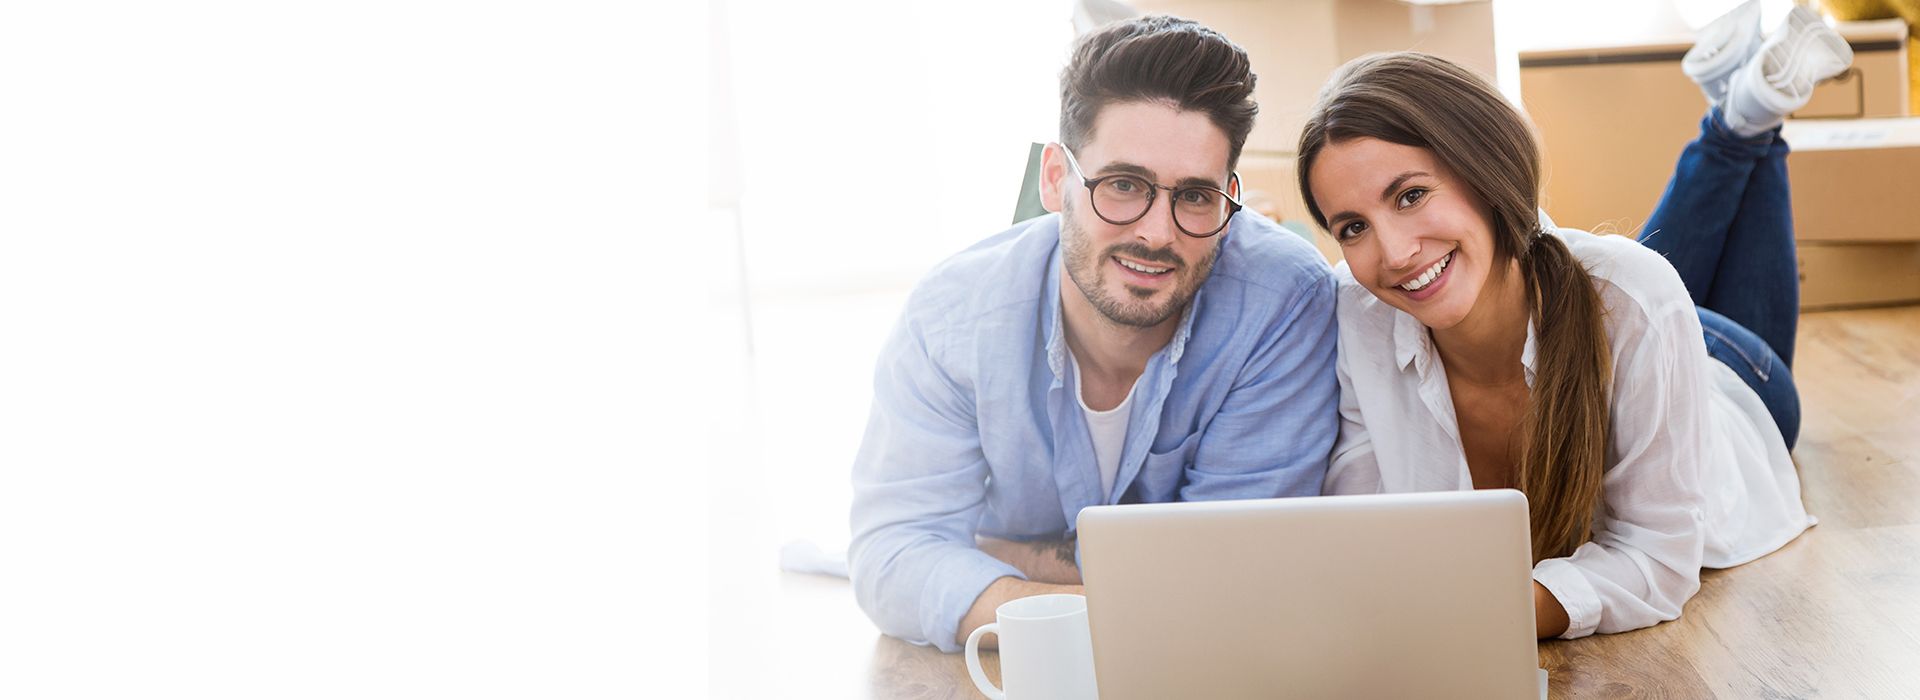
(1089, 273)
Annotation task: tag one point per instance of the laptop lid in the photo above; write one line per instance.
(1395, 595)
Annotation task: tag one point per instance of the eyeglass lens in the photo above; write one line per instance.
(1196, 210)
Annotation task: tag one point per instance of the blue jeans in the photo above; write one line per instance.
(1726, 224)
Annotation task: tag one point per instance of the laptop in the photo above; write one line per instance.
(1421, 595)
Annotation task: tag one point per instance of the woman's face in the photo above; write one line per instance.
(1412, 232)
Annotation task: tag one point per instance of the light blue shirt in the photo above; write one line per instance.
(976, 427)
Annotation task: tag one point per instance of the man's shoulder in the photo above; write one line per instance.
(1001, 270)
(1266, 261)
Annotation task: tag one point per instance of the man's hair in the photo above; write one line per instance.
(1158, 58)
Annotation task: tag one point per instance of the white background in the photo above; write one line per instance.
(346, 350)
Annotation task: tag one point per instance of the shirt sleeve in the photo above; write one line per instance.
(1643, 562)
(1354, 467)
(919, 488)
(1273, 431)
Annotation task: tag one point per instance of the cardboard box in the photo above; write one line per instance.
(1844, 275)
(1296, 44)
(1855, 180)
(1612, 120)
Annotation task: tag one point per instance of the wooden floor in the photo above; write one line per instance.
(1834, 614)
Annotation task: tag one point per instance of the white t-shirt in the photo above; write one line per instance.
(1108, 428)
(1697, 474)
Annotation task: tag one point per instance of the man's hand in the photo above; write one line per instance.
(1043, 561)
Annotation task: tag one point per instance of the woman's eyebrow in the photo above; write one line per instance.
(1398, 181)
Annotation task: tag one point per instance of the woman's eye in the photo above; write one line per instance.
(1412, 197)
(1349, 231)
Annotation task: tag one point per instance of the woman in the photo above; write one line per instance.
(1636, 392)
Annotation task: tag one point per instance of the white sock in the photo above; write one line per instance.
(1722, 46)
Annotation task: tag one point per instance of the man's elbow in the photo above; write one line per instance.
(874, 591)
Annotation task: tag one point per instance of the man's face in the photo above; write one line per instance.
(1144, 273)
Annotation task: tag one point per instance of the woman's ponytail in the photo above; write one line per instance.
(1565, 432)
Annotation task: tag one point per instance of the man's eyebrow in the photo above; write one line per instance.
(1398, 181)
(1125, 168)
(1197, 182)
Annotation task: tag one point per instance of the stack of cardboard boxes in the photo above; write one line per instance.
(1856, 210)
(1613, 120)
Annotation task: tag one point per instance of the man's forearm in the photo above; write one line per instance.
(1043, 561)
(1000, 591)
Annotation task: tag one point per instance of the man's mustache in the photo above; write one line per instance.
(1142, 253)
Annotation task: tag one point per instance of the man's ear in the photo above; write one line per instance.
(1053, 172)
(1233, 186)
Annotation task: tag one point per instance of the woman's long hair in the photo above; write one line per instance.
(1418, 100)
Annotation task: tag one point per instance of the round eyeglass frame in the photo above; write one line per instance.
(1153, 192)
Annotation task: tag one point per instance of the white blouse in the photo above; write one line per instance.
(1697, 474)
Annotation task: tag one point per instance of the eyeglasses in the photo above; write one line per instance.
(1120, 199)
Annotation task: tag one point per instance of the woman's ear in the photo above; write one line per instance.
(1053, 172)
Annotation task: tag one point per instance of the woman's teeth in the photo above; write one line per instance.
(1427, 277)
(1136, 267)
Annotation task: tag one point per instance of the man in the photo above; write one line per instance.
(1144, 345)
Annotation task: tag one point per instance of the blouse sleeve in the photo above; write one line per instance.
(1644, 559)
(1353, 467)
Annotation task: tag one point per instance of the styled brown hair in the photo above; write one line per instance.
(1414, 99)
(1158, 58)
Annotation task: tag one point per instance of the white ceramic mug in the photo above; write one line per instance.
(1046, 650)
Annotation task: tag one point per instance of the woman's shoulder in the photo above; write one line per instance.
(1644, 304)
(1625, 270)
(1609, 252)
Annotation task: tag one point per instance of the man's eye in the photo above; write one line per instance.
(1125, 185)
(1412, 197)
(1197, 197)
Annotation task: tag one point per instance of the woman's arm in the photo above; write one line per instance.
(1352, 468)
(1549, 617)
(1643, 561)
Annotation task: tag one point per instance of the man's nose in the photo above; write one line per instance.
(1156, 228)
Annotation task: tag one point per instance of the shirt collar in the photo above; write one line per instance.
(1054, 329)
(1527, 354)
(1410, 341)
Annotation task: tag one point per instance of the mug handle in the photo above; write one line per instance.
(973, 662)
